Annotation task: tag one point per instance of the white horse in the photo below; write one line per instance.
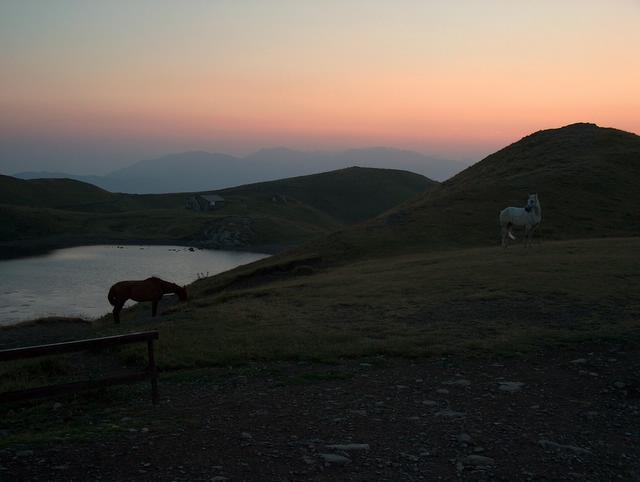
(529, 217)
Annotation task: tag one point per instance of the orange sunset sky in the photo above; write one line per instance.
(89, 86)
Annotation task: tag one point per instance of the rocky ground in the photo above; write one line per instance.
(570, 415)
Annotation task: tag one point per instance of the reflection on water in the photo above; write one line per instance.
(75, 281)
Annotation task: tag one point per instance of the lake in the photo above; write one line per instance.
(75, 281)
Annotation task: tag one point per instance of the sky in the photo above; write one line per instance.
(88, 86)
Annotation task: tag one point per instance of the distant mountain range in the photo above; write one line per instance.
(200, 171)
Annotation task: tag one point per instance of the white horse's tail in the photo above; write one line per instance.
(511, 235)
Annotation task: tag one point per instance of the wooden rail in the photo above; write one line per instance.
(150, 373)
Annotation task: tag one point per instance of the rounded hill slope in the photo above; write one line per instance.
(586, 178)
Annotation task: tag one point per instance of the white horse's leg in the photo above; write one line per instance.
(533, 228)
(505, 240)
(528, 231)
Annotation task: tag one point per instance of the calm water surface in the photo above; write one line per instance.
(75, 281)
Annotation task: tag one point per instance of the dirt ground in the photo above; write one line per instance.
(554, 415)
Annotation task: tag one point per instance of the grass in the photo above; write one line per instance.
(479, 301)
(472, 301)
(468, 302)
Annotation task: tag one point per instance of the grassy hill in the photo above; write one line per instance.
(465, 301)
(428, 277)
(348, 195)
(586, 178)
(51, 193)
(57, 212)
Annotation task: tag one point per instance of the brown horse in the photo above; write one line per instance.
(150, 289)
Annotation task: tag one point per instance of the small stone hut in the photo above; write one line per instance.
(205, 202)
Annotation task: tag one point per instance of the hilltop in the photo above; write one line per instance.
(586, 178)
(61, 212)
(52, 193)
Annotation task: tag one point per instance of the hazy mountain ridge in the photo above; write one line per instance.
(200, 170)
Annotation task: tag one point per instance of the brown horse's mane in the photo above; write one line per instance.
(166, 285)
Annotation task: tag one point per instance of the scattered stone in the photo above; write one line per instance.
(429, 403)
(335, 459)
(442, 391)
(579, 361)
(463, 438)
(548, 444)
(218, 478)
(447, 413)
(460, 382)
(24, 453)
(246, 436)
(348, 447)
(57, 406)
(410, 457)
(510, 386)
(477, 460)
(362, 413)
(308, 460)
(619, 385)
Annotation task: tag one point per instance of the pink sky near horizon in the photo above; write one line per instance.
(459, 79)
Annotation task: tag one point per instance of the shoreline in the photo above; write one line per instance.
(37, 250)
(40, 247)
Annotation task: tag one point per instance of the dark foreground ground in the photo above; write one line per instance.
(570, 415)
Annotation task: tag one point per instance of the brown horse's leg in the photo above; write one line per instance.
(116, 312)
(154, 307)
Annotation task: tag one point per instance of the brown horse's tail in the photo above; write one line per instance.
(112, 296)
